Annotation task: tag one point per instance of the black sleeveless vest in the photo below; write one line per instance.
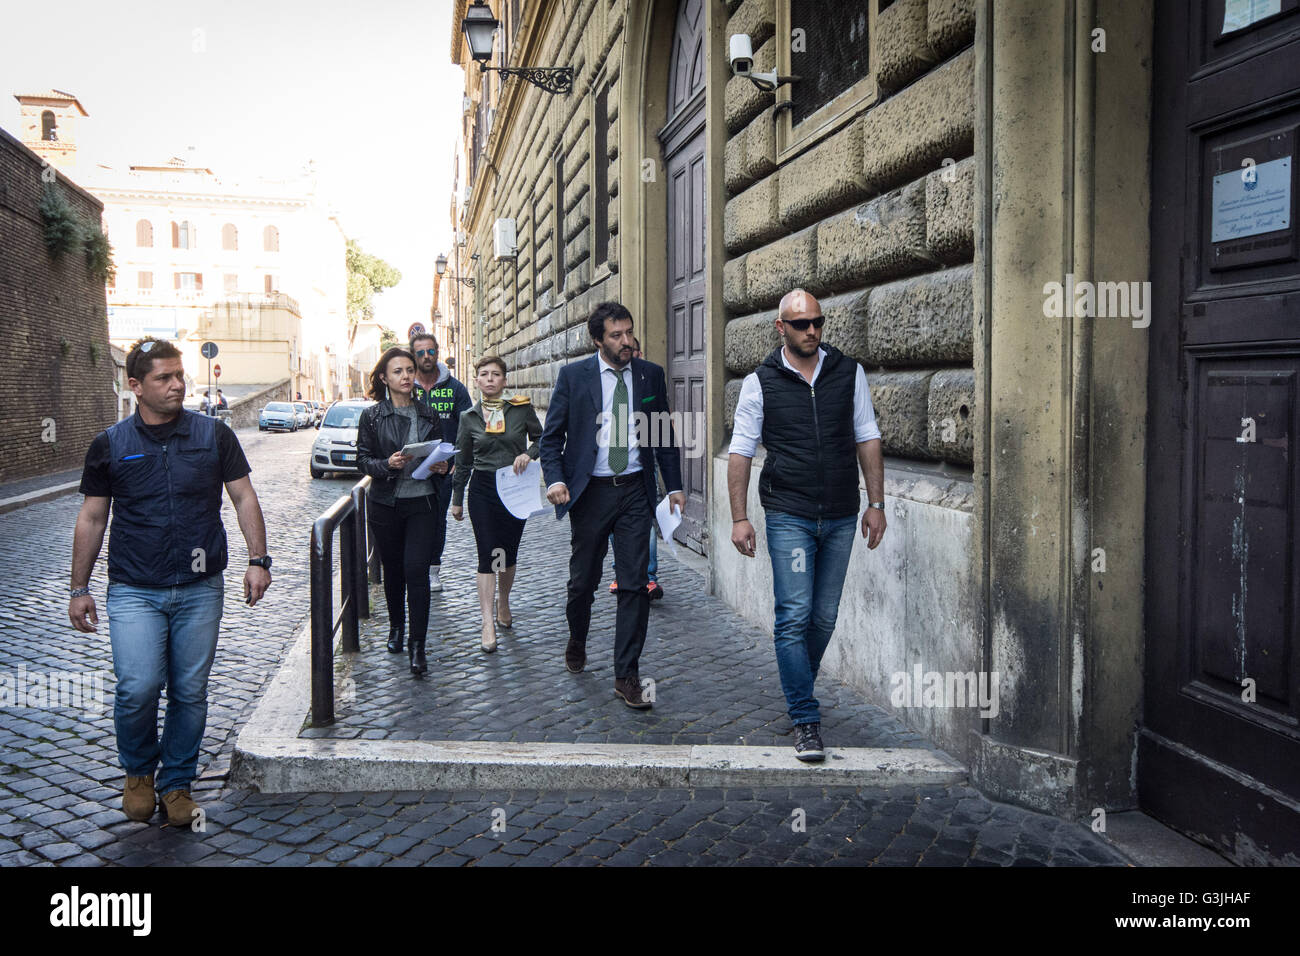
(812, 464)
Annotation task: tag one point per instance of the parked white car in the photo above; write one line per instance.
(335, 448)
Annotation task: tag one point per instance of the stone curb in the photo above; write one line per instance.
(270, 757)
(36, 497)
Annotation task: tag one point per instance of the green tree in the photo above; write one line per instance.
(387, 339)
(367, 275)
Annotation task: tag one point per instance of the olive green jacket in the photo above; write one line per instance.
(476, 450)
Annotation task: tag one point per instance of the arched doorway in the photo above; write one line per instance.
(682, 142)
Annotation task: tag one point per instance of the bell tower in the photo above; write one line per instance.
(48, 126)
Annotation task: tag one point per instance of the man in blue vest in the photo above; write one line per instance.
(810, 406)
(162, 471)
(436, 387)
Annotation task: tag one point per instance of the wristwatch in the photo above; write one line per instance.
(876, 504)
(262, 562)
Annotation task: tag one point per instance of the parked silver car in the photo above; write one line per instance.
(278, 415)
(335, 448)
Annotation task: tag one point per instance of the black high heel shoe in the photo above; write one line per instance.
(395, 632)
(418, 664)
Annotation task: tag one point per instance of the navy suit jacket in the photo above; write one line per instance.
(573, 425)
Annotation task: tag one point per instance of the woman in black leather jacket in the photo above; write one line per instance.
(402, 510)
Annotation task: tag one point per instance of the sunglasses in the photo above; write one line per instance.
(422, 352)
(801, 325)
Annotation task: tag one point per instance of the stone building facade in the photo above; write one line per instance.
(56, 371)
(1060, 485)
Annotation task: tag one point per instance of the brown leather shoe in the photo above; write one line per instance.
(629, 688)
(138, 798)
(575, 657)
(181, 809)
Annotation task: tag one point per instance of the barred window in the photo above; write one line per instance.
(831, 54)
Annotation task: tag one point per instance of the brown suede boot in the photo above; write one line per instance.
(138, 798)
(181, 809)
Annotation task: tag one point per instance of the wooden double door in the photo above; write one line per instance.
(1219, 746)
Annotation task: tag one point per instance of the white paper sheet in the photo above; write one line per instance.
(444, 451)
(521, 494)
(669, 518)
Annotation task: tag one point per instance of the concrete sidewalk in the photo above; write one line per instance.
(518, 719)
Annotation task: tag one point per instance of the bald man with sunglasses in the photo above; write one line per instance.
(810, 406)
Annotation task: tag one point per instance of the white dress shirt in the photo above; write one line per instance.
(608, 382)
(748, 429)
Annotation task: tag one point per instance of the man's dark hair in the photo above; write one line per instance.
(139, 361)
(420, 338)
(606, 310)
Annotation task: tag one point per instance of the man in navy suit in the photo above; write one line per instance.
(600, 470)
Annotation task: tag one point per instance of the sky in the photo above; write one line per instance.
(366, 90)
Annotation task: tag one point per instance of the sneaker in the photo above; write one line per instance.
(435, 577)
(808, 742)
(138, 798)
(654, 590)
(629, 688)
(181, 808)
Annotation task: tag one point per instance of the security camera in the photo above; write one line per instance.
(742, 54)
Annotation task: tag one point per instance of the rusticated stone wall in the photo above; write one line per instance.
(875, 219)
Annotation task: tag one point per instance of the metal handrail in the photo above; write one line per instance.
(358, 561)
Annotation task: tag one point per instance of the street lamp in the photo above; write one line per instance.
(480, 27)
(441, 265)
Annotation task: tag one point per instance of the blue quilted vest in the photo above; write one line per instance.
(166, 526)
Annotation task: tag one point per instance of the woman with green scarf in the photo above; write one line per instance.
(493, 434)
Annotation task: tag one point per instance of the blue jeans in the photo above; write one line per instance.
(652, 567)
(809, 559)
(163, 637)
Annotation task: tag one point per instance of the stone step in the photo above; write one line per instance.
(292, 765)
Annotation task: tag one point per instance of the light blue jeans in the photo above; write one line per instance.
(810, 557)
(163, 638)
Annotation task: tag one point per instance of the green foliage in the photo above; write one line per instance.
(94, 353)
(62, 230)
(367, 275)
(99, 253)
(387, 340)
(65, 347)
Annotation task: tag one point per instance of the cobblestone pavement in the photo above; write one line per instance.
(60, 782)
(715, 675)
(926, 826)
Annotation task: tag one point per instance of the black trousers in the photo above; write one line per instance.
(496, 531)
(443, 484)
(623, 511)
(404, 534)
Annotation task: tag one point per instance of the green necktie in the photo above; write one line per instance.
(618, 438)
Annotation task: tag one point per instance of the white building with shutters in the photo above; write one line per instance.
(186, 240)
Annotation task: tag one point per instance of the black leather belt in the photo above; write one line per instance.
(616, 480)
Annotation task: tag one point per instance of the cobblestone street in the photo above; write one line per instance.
(715, 682)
